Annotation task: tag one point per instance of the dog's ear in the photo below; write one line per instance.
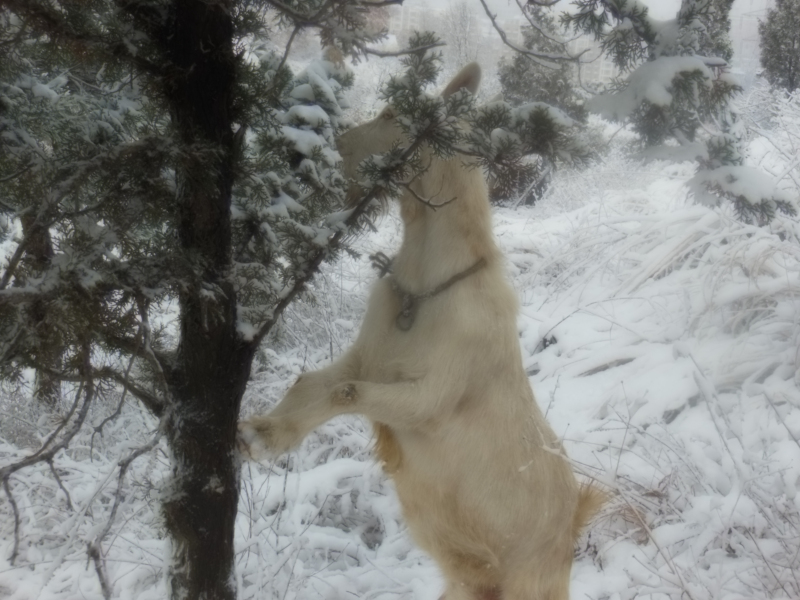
(468, 78)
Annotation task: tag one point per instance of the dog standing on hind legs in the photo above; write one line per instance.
(437, 368)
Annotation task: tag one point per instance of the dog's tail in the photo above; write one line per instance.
(590, 501)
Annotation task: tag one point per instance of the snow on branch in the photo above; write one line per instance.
(753, 193)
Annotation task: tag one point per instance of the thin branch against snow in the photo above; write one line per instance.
(398, 53)
(295, 31)
(533, 23)
(15, 511)
(94, 548)
(48, 451)
(125, 389)
(15, 259)
(380, 3)
(545, 59)
(60, 483)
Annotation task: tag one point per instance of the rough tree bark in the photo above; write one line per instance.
(38, 253)
(212, 365)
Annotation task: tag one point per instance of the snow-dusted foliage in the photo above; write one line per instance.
(673, 87)
(677, 88)
(288, 207)
(525, 80)
(504, 137)
(685, 321)
(170, 186)
(497, 135)
(780, 51)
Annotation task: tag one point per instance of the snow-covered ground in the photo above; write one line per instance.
(662, 340)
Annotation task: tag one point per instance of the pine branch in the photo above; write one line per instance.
(46, 20)
(333, 243)
(155, 405)
(163, 362)
(532, 22)
(397, 53)
(125, 385)
(11, 177)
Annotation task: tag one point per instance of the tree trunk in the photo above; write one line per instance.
(212, 366)
(38, 253)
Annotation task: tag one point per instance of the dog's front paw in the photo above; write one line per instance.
(265, 436)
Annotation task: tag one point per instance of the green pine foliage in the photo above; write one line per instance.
(504, 138)
(695, 89)
(677, 91)
(780, 44)
(90, 156)
(523, 80)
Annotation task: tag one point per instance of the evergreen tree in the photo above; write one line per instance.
(780, 45)
(717, 21)
(676, 88)
(525, 80)
(673, 86)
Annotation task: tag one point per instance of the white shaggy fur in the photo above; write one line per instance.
(479, 472)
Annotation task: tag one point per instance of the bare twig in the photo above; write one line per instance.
(15, 510)
(14, 176)
(94, 548)
(780, 418)
(44, 453)
(100, 568)
(13, 262)
(48, 451)
(767, 562)
(425, 201)
(534, 184)
(381, 3)
(60, 484)
(295, 31)
(125, 387)
(652, 538)
(385, 54)
(546, 59)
